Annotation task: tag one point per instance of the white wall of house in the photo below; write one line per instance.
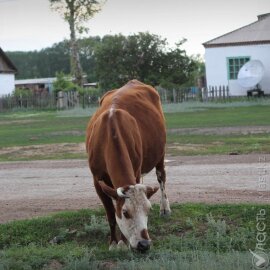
(7, 83)
(216, 66)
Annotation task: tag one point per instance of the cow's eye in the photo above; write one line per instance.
(126, 214)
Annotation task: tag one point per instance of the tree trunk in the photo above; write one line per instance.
(76, 69)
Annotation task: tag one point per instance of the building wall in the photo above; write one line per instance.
(216, 66)
(7, 83)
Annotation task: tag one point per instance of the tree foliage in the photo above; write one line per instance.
(115, 59)
(76, 12)
(142, 56)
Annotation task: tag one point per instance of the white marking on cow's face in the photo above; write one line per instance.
(132, 215)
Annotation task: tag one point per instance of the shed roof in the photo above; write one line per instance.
(35, 81)
(6, 66)
(255, 33)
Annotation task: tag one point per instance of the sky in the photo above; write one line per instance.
(31, 25)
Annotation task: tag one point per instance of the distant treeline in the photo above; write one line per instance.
(113, 60)
(47, 62)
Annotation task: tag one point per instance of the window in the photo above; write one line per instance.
(234, 64)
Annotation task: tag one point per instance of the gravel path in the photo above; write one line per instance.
(29, 189)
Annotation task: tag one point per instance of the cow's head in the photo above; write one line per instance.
(132, 207)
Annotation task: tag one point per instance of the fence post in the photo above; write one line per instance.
(165, 95)
(174, 96)
(60, 100)
(83, 101)
(227, 91)
(212, 93)
(20, 100)
(223, 92)
(205, 94)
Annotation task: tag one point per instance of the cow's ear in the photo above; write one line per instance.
(151, 191)
(111, 192)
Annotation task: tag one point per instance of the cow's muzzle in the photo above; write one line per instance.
(143, 245)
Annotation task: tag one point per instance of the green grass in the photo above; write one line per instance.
(198, 235)
(41, 129)
(220, 117)
(23, 129)
(217, 144)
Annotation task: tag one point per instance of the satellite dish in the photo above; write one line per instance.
(250, 74)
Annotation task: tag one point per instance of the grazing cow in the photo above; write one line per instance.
(125, 139)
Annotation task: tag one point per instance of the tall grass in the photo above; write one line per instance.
(192, 260)
(195, 237)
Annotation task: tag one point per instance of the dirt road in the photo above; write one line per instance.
(29, 189)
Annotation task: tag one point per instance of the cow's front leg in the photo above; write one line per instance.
(165, 209)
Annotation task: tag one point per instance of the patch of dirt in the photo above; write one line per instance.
(245, 130)
(43, 150)
(53, 265)
(21, 121)
(37, 188)
(68, 132)
(187, 147)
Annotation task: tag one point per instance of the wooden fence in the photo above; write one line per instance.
(67, 100)
(215, 93)
(193, 93)
(62, 100)
(34, 101)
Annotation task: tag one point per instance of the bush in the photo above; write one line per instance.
(22, 93)
(63, 83)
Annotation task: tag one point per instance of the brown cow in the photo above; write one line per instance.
(125, 139)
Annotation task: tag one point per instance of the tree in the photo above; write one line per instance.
(76, 12)
(87, 55)
(177, 68)
(142, 56)
(110, 68)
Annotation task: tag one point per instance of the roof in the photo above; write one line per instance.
(255, 33)
(35, 81)
(6, 66)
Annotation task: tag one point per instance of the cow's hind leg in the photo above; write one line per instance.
(110, 211)
(165, 209)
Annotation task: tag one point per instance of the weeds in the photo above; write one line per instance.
(196, 236)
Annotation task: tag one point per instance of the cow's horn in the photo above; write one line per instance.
(121, 194)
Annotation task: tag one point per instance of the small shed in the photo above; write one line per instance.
(7, 74)
(226, 54)
(37, 85)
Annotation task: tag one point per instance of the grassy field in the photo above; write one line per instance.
(24, 129)
(194, 237)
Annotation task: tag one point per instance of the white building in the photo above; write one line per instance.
(7, 74)
(225, 55)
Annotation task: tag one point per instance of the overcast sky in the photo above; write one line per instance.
(31, 25)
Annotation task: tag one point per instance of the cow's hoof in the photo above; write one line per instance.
(165, 213)
(121, 245)
(113, 246)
